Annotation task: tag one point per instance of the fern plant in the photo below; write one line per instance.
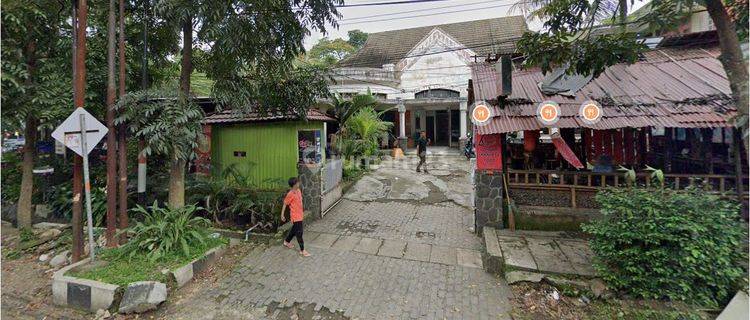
(166, 230)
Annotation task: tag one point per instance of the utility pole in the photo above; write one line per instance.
(79, 87)
(142, 161)
(122, 144)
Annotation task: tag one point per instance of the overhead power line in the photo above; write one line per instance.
(417, 10)
(427, 14)
(388, 3)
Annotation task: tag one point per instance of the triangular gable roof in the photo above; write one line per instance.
(437, 38)
(496, 35)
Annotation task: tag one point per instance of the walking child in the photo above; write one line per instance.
(293, 200)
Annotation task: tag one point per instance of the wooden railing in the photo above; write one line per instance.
(590, 181)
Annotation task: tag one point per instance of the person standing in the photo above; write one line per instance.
(293, 200)
(422, 143)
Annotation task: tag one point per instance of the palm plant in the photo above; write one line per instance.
(361, 133)
(343, 109)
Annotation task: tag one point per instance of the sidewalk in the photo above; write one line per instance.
(537, 251)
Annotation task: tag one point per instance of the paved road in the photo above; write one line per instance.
(398, 246)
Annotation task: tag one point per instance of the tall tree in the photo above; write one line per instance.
(35, 92)
(242, 51)
(567, 39)
(122, 152)
(112, 133)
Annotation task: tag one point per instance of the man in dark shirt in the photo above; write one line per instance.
(422, 143)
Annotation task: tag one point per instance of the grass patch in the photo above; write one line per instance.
(121, 271)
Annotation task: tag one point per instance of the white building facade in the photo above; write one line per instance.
(421, 75)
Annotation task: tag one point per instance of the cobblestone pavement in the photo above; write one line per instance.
(383, 256)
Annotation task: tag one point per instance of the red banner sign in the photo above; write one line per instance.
(489, 150)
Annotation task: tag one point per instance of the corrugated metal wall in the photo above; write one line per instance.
(270, 149)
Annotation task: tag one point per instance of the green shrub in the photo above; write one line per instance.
(656, 243)
(361, 133)
(233, 193)
(164, 231)
(61, 202)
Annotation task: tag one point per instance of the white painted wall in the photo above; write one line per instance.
(439, 71)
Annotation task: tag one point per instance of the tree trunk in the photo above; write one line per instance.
(187, 57)
(79, 87)
(112, 134)
(731, 58)
(24, 211)
(177, 184)
(177, 170)
(623, 8)
(122, 151)
(25, 208)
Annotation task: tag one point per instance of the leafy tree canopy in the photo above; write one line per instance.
(327, 52)
(34, 52)
(250, 45)
(357, 38)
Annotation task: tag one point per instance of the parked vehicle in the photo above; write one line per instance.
(13, 144)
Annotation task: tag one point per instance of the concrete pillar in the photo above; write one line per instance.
(402, 125)
(462, 110)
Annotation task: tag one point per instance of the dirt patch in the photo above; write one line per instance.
(544, 301)
(27, 285)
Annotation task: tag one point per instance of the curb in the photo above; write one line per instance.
(93, 295)
(81, 293)
(186, 273)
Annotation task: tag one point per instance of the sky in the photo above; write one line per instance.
(392, 17)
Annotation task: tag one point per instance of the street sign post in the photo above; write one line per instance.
(81, 132)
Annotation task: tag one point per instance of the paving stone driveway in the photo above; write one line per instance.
(399, 246)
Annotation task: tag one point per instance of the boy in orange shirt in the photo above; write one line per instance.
(293, 200)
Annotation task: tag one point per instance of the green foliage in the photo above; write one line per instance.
(629, 175)
(122, 271)
(232, 194)
(362, 132)
(739, 10)
(657, 175)
(275, 89)
(343, 109)
(328, 52)
(170, 125)
(357, 38)
(252, 66)
(582, 55)
(61, 202)
(166, 231)
(657, 243)
(26, 235)
(11, 177)
(33, 56)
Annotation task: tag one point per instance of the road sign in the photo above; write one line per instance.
(81, 132)
(481, 113)
(69, 132)
(590, 112)
(548, 112)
